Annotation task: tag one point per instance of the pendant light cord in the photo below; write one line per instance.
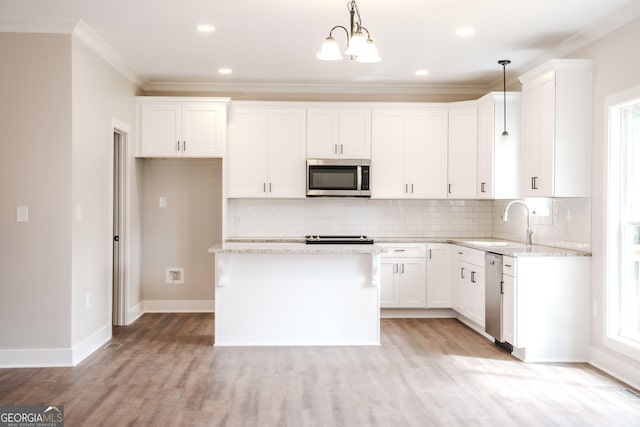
(504, 63)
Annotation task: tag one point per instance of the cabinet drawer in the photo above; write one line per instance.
(509, 266)
(472, 256)
(396, 250)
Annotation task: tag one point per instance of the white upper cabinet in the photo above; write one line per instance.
(463, 150)
(409, 152)
(498, 155)
(556, 123)
(181, 127)
(266, 152)
(337, 131)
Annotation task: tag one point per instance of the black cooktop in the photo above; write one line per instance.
(340, 240)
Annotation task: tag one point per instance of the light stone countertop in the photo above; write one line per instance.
(297, 245)
(257, 246)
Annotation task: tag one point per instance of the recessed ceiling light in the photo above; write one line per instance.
(421, 73)
(224, 71)
(206, 28)
(464, 31)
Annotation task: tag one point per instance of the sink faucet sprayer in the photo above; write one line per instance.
(505, 216)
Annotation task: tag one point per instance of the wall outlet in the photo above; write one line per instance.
(175, 276)
(22, 213)
(162, 202)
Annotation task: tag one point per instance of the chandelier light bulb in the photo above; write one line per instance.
(369, 53)
(357, 45)
(330, 51)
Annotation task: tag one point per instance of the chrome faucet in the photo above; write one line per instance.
(505, 216)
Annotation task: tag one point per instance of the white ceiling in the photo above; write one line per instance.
(275, 41)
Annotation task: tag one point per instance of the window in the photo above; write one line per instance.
(623, 234)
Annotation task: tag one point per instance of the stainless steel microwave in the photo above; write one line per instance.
(338, 177)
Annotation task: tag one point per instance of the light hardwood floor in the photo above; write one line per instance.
(428, 372)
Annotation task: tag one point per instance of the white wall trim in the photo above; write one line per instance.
(38, 26)
(91, 39)
(83, 32)
(316, 88)
(178, 306)
(615, 367)
(134, 313)
(36, 358)
(90, 344)
(417, 313)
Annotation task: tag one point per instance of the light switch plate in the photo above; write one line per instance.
(22, 214)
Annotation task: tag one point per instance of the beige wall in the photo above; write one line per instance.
(100, 95)
(180, 234)
(617, 68)
(35, 170)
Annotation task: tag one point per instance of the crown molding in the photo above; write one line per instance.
(82, 32)
(607, 25)
(38, 26)
(314, 88)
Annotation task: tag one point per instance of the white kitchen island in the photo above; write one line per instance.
(293, 294)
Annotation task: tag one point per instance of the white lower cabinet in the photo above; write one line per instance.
(550, 315)
(438, 275)
(468, 285)
(509, 317)
(403, 276)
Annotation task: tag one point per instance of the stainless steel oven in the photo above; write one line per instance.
(338, 177)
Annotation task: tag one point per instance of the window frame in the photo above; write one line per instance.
(614, 107)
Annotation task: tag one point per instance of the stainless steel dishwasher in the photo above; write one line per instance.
(493, 296)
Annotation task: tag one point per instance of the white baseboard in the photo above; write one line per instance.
(55, 357)
(36, 358)
(178, 306)
(417, 313)
(90, 344)
(615, 367)
(134, 313)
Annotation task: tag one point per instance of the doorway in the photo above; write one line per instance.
(119, 293)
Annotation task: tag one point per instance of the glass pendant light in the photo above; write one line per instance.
(330, 51)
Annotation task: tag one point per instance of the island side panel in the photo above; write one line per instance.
(296, 299)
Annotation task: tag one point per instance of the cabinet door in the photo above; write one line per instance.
(426, 159)
(286, 153)
(203, 130)
(388, 287)
(438, 277)
(247, 153)
(160, 130)
(322, 133)
(486, 123)
(463, 153)
(388, 180)
(458, 286)
(509, 310)
(476, 290)
(412, 283)
(539, 137)
(354, 133)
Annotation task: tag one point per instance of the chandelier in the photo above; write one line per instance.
(358, 47)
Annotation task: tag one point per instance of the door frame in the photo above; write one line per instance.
(124, 130)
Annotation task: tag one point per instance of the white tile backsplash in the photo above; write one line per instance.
(570, 225)
(377, 218)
